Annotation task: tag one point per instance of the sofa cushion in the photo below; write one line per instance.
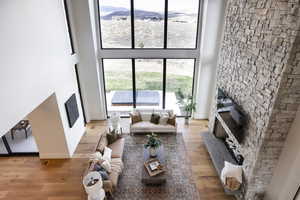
(148, 127)
(117, 165)
(116, 169)
(117, 148)
(113, 177)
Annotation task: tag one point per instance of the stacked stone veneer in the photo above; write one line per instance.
(259, 68)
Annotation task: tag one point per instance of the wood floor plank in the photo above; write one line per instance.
(29, 178)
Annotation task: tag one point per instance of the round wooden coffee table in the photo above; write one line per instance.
(160, 178)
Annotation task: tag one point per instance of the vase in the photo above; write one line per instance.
(152, 152)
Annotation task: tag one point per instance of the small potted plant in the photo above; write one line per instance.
(189, 106)
(153, 144)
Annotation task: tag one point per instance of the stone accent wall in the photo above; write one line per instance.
(259, 68)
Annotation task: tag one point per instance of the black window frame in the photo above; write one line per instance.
(12, 153)
(69, 28)
(165, 41)
(164, 82)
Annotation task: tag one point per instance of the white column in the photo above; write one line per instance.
(88, 66)
(212, 32)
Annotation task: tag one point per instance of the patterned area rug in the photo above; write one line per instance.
(179, 186)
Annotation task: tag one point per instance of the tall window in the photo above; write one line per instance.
(141, 68)
(182, 23)
(115, 20)
(118, 84)
(149, 24)
(149, 82)
(179, 83)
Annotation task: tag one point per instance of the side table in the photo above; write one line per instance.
(22, 125)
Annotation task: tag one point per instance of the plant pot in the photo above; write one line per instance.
(152, 152)
(186, 120)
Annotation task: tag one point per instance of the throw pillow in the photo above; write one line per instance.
(107, 154)
(155, 118)
(97, 156)
(106, 165)
(231, 176)
(112, 137)
(135, 117)
(102, 143)
(232, 184)
(103, 174)
(97, 167)
(172, 120)
(163, 119)
(101, 170)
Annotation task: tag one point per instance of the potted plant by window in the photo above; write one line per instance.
(153, 144)
(189, 106)
(186, 104)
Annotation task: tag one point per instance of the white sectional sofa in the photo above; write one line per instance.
(145, 126)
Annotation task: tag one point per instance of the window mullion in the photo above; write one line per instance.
(166, 25)
(164, 82)
(132, 23)
(133, 83)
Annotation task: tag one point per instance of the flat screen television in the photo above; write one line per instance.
(72, 110)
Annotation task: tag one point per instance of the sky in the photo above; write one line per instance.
(190, 6)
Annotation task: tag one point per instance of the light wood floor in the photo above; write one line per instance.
(29, 178)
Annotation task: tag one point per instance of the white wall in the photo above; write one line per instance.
(286, 179)
(35, 62)
(88, 66)
(212, 32)
(47, 129)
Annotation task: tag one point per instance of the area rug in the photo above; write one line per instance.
(179, 186)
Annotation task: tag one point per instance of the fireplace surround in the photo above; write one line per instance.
(224, 141)
(258, 67)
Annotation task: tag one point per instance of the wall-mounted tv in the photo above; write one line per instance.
(72, 110)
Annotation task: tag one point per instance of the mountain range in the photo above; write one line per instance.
(138, 14)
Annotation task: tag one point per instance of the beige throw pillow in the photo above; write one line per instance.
(231, 176)
(107, 154)
(135, 117)
(172, 120)
(97, 156)
(163, 119)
